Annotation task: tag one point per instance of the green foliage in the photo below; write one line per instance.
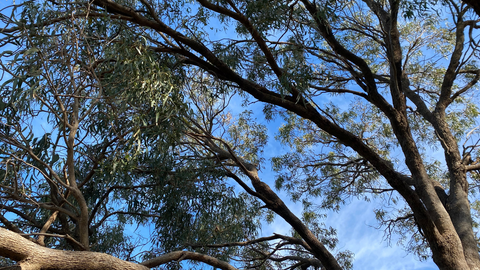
(249, 136)
(97, 80)
(416, 8)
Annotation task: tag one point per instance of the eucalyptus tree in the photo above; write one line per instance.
(138, 94)
(86, 151)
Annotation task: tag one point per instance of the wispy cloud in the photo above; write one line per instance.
(356, 231)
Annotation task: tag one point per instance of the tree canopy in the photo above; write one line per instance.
(152, 114)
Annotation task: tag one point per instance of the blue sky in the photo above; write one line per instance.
(357, 228)
(355, 224)
(358, 232)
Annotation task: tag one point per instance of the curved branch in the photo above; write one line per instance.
(255, 35)
(469, 85)
(472, 167)
(327, 33)
(182, 255)
(451, 72)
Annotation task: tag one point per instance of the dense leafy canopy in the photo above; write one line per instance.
(116, 115)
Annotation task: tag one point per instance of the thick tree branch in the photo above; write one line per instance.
(451, 72)
(188, 255)
(31, 256)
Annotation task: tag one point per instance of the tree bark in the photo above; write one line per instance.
(31, 256)
(182, 255)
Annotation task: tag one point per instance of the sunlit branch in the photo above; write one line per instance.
(45, 228)
(188, 255)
